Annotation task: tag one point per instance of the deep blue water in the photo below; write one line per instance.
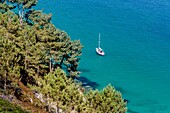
(135, 35)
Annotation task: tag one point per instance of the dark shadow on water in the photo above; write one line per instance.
(87, 83)
(84, 70)
(131, 111)
(122, 90)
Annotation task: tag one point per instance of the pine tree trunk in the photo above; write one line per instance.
(21, 13)
(62, 60)
(57, 108)
(5, 82)
(38, 70)
(25, 60)
(50, 66)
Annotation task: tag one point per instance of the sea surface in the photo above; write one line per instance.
(135, 35)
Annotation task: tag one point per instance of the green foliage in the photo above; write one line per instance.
(7, 107)
(37, 45)
(23, 7)
(39, 18)
(58, 88)
(68, 96)
(109, 100)
(9, 69)
(4, 7)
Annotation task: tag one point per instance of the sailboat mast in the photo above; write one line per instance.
(99, 39)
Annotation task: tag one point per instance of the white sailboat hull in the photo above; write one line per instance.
(99, 51)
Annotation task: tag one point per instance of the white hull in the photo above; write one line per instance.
(100, 51)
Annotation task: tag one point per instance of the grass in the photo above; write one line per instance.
(7, 107)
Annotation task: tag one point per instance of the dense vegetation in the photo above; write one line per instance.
(38, 63)
(6, 107)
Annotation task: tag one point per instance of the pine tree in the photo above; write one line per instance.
(106, 101)
(31, 55)
(60, 50)
(60, 90)
(23, 7)
(30, 51)
(9, 69)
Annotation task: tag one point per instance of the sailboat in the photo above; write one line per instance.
(99, 49)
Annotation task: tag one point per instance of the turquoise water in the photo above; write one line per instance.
(135, 35)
